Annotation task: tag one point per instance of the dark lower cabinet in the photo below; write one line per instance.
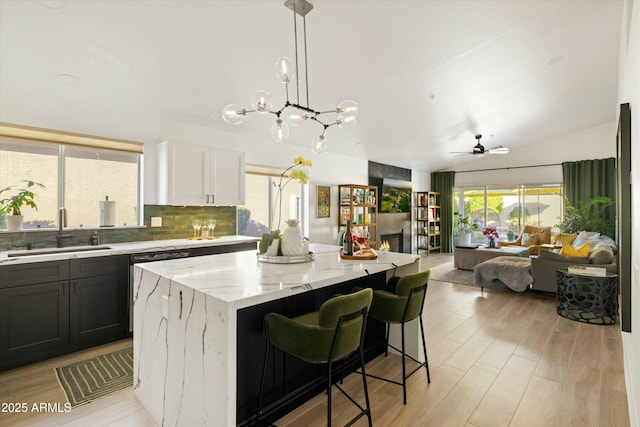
(99, 287)
(98, 310)
(286, 376)
(34, 322)
(52, 308)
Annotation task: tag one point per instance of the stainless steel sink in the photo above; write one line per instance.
(46, 251)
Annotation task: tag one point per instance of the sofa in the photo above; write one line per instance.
(532, 238)
(602, 253)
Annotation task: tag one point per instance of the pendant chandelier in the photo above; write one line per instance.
(296, 114)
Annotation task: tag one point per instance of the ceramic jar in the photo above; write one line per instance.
(292, 243)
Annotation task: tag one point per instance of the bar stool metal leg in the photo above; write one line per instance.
(401, 304)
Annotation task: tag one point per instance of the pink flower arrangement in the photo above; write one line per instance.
(490, 233)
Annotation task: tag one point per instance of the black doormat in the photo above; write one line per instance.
(90, 379)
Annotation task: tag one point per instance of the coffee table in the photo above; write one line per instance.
(465, 258)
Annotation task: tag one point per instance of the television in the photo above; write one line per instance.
(396, 196)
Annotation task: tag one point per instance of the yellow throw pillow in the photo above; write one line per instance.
(569, 250)
(565, 237)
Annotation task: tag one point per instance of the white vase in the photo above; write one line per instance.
(292, 239)
(464, 239)
(14, 222)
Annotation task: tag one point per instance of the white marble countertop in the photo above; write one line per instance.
(240, 280)
(57, 254)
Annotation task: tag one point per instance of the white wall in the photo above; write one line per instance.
(597, 142)
(629, 91)
(333, 169)
(593, 143)
(328, 168)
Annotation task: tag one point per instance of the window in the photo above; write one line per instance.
(75, 177)
(92, 175)
(260, 212)
(510, 208)
(22, 160)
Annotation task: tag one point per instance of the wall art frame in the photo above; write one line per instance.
(323, 201)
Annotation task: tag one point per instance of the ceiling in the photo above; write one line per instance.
(427, 75)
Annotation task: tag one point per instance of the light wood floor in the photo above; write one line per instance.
(497, 358)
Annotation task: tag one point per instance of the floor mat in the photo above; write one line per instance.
(90, 379)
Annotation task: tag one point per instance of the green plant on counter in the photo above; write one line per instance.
(24, 197)
(266, 240)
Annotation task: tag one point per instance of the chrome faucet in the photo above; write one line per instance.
(62, 222)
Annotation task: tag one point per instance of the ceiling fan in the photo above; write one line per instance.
(479, 150)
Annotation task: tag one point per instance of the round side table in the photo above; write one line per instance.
(587, 299)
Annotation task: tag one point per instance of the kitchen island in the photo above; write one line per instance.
(198, 325)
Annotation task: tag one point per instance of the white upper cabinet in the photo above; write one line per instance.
(227, 177)
(190, 174)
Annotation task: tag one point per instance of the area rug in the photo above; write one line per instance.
(447, 273)
(90, 379)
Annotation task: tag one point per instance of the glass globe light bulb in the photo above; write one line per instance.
(347, 122)
(285, 70)
(261, 101)
(279, 130)
(296, 117)
(234, 114)
(347, 109)
(318, 144)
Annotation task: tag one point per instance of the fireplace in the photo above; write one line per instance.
(395, 240)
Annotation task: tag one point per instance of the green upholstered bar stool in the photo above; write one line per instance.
(401, 302)
(326, 336)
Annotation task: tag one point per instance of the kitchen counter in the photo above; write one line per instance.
(56, 254)
(186, 323)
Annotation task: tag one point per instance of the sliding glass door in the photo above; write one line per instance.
(509, 208)
(543, 205)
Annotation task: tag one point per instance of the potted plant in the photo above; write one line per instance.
(299, 175)
(588, 216)
(464, 226)
(12, 205)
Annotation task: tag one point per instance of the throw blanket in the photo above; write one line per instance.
(515, 272)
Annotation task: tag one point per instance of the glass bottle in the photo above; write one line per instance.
(347, 241)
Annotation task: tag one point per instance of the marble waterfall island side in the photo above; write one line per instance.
(186, 323)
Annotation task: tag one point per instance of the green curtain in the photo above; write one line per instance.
(443, 182)
(585, 179)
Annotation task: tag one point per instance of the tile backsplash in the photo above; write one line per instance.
(176, 224)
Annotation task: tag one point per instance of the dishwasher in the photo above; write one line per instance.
(149, 257)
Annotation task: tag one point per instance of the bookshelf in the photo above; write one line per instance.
(427, 206)
(359, 203)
